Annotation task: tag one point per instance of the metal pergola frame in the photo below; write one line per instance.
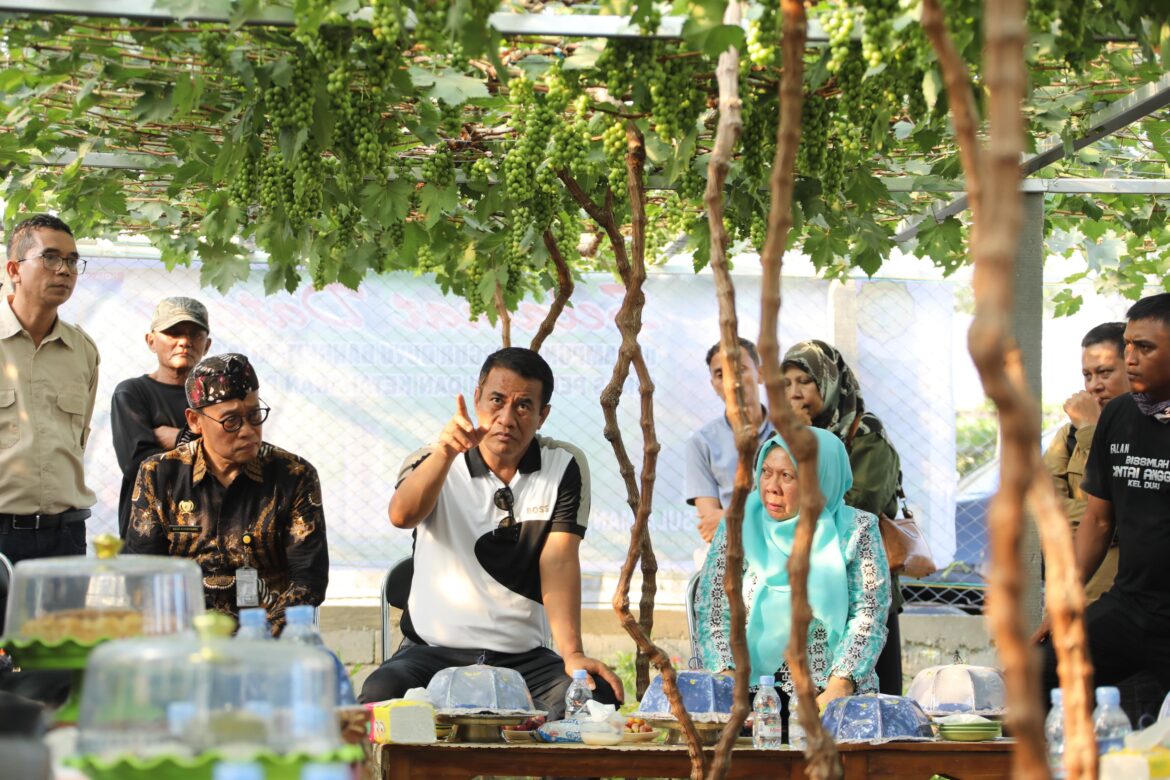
(571, 25)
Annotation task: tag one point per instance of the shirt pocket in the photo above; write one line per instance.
(9, 419)
(71, 409)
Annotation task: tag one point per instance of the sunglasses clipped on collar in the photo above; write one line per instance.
(509, 529)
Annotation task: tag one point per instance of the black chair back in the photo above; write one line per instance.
(395, 593)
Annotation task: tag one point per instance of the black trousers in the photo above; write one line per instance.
(889, 663)
(1123, 640)
(413, 666)
(66, 539)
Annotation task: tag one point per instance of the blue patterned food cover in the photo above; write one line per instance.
(702, 693)
(876, 717)
(479, 688)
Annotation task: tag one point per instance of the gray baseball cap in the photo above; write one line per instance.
(172, 311)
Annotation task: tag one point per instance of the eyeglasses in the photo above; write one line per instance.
(234, 422)
(508, 529)
(54, 262)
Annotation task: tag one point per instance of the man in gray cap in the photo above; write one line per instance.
(147, 412)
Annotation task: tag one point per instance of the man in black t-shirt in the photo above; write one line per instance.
(1127, 486)
(147, 412)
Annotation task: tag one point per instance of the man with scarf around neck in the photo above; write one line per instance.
(848, 586)
(825, 392)
(247, 512)
(1127, 485)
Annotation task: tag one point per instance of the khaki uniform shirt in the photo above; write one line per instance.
(46, 404)
(1067, 469)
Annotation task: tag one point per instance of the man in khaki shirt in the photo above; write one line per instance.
(48, 381)
(1103, 369)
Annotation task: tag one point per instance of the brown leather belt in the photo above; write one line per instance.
(41, 522)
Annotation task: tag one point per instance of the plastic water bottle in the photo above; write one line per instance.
(253, 624)
(1054, 734)
(238, 770)
(767, 733)
(1110, 722)
(577, 695)
(299, 628)
(326, 772)
(796, 737)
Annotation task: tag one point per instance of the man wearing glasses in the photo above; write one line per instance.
(498, 515)
(248, 512)
(148, 412)
(48, 383)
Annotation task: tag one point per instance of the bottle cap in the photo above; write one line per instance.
(300, 615)
(767, 681)
(1056, 696)
(234, 770)
(253, 617)
(179, 715)
(325, 772)
(1107, 694)
(579, 674)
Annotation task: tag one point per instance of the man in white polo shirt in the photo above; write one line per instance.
(498, 515)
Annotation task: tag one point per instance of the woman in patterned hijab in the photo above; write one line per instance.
(825, 392)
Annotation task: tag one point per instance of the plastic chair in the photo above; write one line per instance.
(692, 616)
(395, 592)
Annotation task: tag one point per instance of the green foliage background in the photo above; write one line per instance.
(380, 135)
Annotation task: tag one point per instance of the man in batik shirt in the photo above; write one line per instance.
(248, 512)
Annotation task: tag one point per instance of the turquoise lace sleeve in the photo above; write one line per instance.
(869, 601)
(712, 617)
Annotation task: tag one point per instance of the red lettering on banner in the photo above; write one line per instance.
(590, 315)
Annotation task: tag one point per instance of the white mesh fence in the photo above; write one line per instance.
(358, 380)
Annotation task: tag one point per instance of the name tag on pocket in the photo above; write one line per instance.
(184, 529)
(247, 587)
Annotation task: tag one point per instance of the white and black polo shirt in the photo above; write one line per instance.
(471, 589)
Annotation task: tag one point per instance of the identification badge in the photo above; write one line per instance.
(247, 587)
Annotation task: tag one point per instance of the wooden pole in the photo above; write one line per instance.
(1000, 368)
(824, 761)
(726, 136)
(629, 322)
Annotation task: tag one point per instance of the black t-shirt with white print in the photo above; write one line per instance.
(472, 589)
(1129, 466)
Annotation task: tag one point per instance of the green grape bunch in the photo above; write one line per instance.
(675, 98)
(438, 169)
(763, 35)
(292, 105)
(877, 30)
(386, 22)
(838, 24)
(613, 141)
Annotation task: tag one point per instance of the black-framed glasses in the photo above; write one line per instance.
(54, 262)
(508, 529)
(234, 422)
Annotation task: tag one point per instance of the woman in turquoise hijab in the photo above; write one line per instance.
(849, 581)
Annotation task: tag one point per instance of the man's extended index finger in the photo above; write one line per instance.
(462, 405)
